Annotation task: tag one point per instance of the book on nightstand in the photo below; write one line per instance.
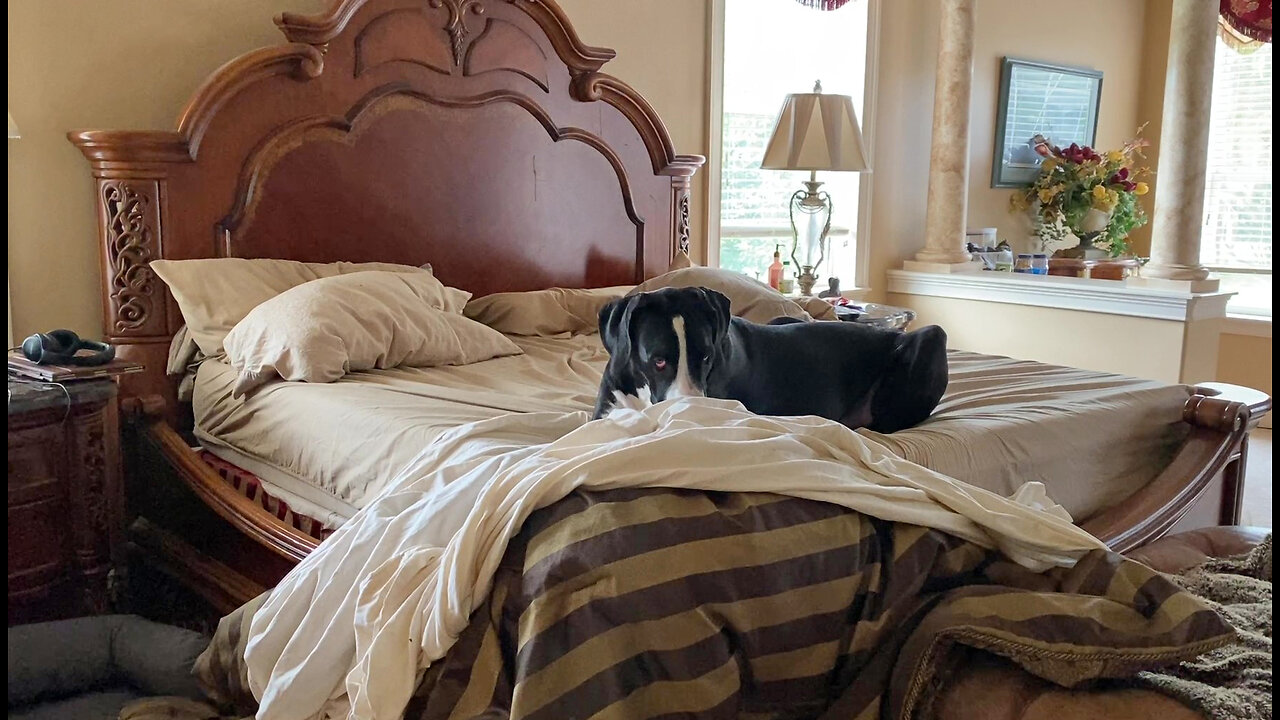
(20, 366)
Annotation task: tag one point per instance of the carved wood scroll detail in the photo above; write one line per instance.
(457, 26)
(132, 242)
(682, 224)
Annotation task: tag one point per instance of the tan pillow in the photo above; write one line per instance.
(216, 293)
(682, 261)
(323, 329)
(543, 312)
(818, 308)
(748, 298)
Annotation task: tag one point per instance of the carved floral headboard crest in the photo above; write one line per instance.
(477, 135)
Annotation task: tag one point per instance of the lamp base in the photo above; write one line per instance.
(806, 280)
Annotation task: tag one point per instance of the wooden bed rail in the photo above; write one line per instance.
(1221, 417)
(242, 513)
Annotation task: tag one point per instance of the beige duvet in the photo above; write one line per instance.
(328, 449)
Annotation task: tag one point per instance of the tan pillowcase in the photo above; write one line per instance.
(544, 313)
(682, 261)
(323, 329)
(817, 308)
(216, 293)
(748, 298)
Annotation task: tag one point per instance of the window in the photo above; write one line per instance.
(773, 48)
(1236, 239)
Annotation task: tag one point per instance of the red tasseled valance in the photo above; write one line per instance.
(1249, 18)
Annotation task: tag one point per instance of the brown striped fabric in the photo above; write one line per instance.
(655, 603)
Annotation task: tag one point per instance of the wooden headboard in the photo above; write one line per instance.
(477, 135)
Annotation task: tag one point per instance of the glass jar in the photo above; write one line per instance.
(1039, 264)
(1022, 263)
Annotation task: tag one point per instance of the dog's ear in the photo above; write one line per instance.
(719, 305)
(613, 332)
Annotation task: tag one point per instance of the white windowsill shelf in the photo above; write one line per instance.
(1115, 297)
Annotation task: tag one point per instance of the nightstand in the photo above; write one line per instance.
(65, 498)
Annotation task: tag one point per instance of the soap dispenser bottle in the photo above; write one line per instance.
(775, 270)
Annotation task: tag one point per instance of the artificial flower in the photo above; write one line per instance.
(1076, 179)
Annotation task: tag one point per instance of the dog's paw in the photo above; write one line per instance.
(623, 403)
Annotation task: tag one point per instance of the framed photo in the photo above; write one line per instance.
(1038, 100)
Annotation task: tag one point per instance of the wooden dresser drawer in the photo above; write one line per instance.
(63, 462)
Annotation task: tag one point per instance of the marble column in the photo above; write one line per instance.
(1184, 143)
(949, 154)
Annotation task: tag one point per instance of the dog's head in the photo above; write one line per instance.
(664, 343)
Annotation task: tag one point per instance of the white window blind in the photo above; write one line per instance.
(1236, 238)
(1058, 106)
(771, 49)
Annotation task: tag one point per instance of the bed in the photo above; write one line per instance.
(482, 137)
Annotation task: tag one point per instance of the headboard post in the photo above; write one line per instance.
(138, 315)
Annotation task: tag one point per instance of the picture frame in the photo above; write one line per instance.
(1058, 102)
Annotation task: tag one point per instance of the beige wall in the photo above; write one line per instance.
(128, 64)
(904, 107)
(1023, 29)
(132, 64)
(1246, 360)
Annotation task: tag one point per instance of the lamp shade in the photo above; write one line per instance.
(13, 128)
(816, 131)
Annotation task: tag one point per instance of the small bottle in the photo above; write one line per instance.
(785, 282)
(1022, 264)
(1040, 263)
(775, 270)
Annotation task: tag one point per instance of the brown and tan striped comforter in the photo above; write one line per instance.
(659, 603)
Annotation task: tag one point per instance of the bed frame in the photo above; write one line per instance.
(477, 135)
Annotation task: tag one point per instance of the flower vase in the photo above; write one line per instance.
(1090, 228)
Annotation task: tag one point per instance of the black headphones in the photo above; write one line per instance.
(60, 347)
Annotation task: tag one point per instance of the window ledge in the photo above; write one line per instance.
(1251, 325)
(1114, 297)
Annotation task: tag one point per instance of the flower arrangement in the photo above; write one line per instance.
(1077, 187)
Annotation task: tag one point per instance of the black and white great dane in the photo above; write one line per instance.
(682, 342)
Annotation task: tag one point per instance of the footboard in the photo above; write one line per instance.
(1204, 484)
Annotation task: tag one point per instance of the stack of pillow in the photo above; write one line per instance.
(314, 322)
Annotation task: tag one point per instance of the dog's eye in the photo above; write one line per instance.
(659, 363)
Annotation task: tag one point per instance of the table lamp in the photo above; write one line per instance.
(815, 131)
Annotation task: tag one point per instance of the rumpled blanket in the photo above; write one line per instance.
(637, 604)
(1232, 682)
(352, 629)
